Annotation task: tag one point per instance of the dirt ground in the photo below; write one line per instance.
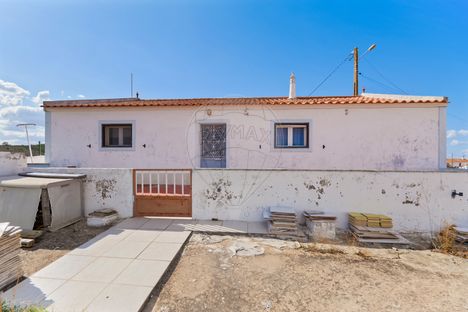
(52, 245)
(223, 273)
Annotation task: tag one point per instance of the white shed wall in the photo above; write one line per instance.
(342, 138)
(103, 188)
(11, 164)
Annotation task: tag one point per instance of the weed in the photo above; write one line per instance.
(445, 240)
(314, 248)
(6, 307)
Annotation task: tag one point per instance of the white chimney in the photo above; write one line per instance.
(292, 86)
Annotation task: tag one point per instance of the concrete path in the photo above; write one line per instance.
(118, 269)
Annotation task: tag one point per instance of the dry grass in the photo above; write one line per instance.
(315, 249)
(445, 243)
(445, 240)
(364, 254)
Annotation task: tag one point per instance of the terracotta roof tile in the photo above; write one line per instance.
(317, 100)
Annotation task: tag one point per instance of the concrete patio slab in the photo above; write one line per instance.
(72, 296)
(142, 273)
(132, 223)
(96, 248)
(126, 249)
(143, 236)
(160, 251)
(65, 267)
(123, 298)
(156, 224)
(103, 270)
(169, 236)
(32, 290)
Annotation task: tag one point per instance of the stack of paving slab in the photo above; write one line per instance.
(374, 228)
(10, 246)
(319, 225)
(370, 220)
(281, 220)
(461, 234)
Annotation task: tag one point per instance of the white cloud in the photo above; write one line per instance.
(11, 93)
(17, 106)
(80, 96)
(456, 142)
(451, 134)
(40, 97)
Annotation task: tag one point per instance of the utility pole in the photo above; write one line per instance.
(356, 72)
(25, 125)
(356, 66)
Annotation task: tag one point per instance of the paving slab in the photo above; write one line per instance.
(143, 235)
(132, 223)
(102, 269)
(156, 224)
(117, 297)
(72, 296)
(32, 290)
(160, 251)
(142, 273)
(65, 267)
(126, 249)
(96, 248)
(169, 236)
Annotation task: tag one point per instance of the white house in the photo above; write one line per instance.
(373, 152)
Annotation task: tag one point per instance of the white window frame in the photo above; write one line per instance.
(290, 126)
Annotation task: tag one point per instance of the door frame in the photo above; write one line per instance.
(158, 203)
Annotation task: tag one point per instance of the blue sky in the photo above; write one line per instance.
(176, 49)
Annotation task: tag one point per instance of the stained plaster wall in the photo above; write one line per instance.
(341, 137)
(417, 201)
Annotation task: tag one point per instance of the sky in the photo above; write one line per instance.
(65, 49)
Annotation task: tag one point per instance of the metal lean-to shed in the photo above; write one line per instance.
(56, 200)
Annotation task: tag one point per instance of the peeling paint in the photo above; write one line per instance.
(220, 191)
(105, 187)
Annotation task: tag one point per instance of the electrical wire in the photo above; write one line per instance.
(348, 58)
(377, 81)
(383, 77)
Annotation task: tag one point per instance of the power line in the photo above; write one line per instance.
(377, 81)
(330, 74)
(384, 78)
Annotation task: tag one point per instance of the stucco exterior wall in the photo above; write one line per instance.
(417, 201)
(341, 137)
(103, 188)
(11, 164)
